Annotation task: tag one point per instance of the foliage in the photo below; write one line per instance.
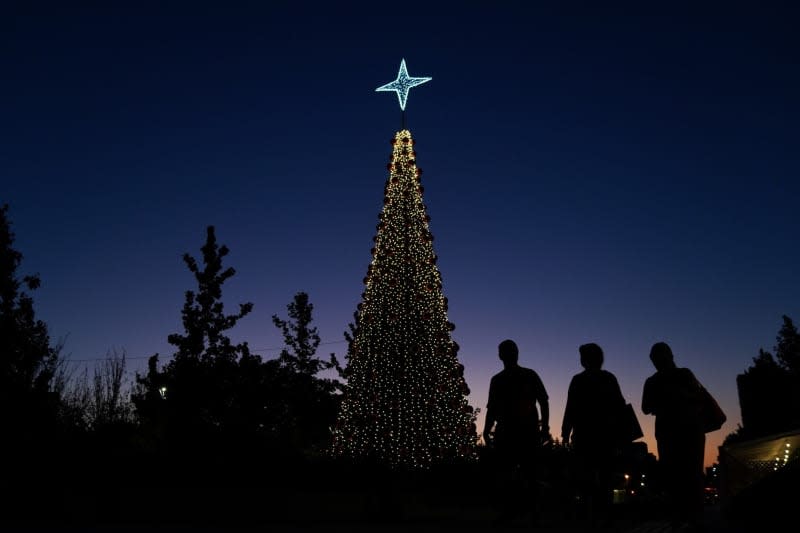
(203, 316)
(301, 339)
(216, 396)
(787, 347)
(786, 356)
(28, 362)
(349, 337)
(104, 400)
(310, 400)
(769, 390)
(198, 392)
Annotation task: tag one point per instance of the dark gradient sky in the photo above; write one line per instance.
(605, 174)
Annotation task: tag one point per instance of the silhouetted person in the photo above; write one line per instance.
(521, 428)
(672, 395)
(591, 417)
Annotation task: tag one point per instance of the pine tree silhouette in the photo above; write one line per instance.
(405, 403)
(29, 401)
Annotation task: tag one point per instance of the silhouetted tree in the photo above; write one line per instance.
(148, 399)
(98, 417)
(311, 400)
(301, 339)
(787, 347)
(104, 401)
(111, 400)
(349, 336)
(29, 404)
(195, 393)
(769, 390)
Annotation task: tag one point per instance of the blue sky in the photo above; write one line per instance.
(619, 174)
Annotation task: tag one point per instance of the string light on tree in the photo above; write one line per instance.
(406, 399)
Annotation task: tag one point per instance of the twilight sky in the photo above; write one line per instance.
(608, 175)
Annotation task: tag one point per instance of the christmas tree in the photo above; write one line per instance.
(405, 403)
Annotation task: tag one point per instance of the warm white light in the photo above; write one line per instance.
(403, 344)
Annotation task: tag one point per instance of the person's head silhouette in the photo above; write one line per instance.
(591, 356)
(661, 356)
(508, 352)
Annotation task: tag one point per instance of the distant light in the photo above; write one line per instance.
(402, 84)
(627, 476)
(163, 392)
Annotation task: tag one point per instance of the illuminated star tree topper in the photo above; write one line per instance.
(402, 84)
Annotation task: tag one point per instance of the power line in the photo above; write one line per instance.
(128, 358)
(278, 349)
